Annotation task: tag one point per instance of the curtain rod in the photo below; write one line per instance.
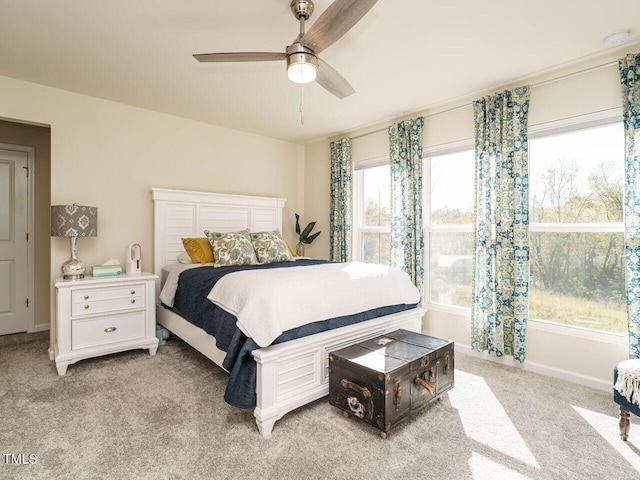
(535, 85)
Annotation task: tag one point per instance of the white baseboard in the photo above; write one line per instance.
(573, 377)
(41, 327)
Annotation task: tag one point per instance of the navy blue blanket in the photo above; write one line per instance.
(192, 304)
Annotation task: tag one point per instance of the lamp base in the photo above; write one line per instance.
(73, 277)
(73, 269)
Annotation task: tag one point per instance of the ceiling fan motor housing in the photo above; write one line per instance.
(297, 53)
(302, 8)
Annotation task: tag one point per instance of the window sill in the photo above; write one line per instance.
(544, 325)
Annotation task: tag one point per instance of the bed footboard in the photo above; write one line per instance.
(295, 373)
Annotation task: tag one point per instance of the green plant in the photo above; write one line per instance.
(305, 236)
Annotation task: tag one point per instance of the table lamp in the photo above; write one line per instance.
(74, 221)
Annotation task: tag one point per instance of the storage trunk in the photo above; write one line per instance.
(387, 378)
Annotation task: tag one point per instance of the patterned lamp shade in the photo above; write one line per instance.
(74, 221)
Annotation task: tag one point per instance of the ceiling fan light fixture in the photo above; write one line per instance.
(302, 67)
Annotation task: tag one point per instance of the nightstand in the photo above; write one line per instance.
(101, 315)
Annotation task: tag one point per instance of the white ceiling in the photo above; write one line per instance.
(402, 57)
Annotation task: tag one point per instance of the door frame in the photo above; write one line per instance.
(30, 151)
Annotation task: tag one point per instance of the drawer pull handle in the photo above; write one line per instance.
(86, 297)
(110, 329)
(86, 307)
(133, 292)
(133, 300)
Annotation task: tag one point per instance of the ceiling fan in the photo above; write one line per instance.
(303, 64)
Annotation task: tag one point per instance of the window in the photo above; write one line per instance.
(372, 216)
(576, 231)
(449, 227)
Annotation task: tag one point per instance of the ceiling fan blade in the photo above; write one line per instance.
(334, 22)
(332, 81)
(240, 57)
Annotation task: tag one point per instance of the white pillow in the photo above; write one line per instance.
(184, 258)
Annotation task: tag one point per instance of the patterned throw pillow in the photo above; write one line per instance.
(270, 247)
(233, 248)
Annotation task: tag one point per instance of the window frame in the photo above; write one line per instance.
(358, 204)
(428, 153)
(572, 124)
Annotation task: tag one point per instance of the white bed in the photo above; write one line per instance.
(289, 374)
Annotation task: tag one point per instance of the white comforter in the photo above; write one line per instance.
(269, 302)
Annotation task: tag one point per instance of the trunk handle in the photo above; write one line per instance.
(364, 391)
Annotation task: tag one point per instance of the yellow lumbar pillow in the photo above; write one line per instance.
(199, 249)
(293, 252)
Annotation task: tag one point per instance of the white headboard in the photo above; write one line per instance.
(181, 213)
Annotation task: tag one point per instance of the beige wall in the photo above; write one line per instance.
(110, 155)
(38, 138)
(561, 352)
(316, 196)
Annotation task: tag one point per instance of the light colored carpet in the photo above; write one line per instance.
(132, 416)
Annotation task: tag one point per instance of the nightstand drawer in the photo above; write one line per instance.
(91, 332)
(107, 299)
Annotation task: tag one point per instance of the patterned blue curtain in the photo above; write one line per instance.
(630, 83)
(407, 234)
(501, 225)
(341, 206)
